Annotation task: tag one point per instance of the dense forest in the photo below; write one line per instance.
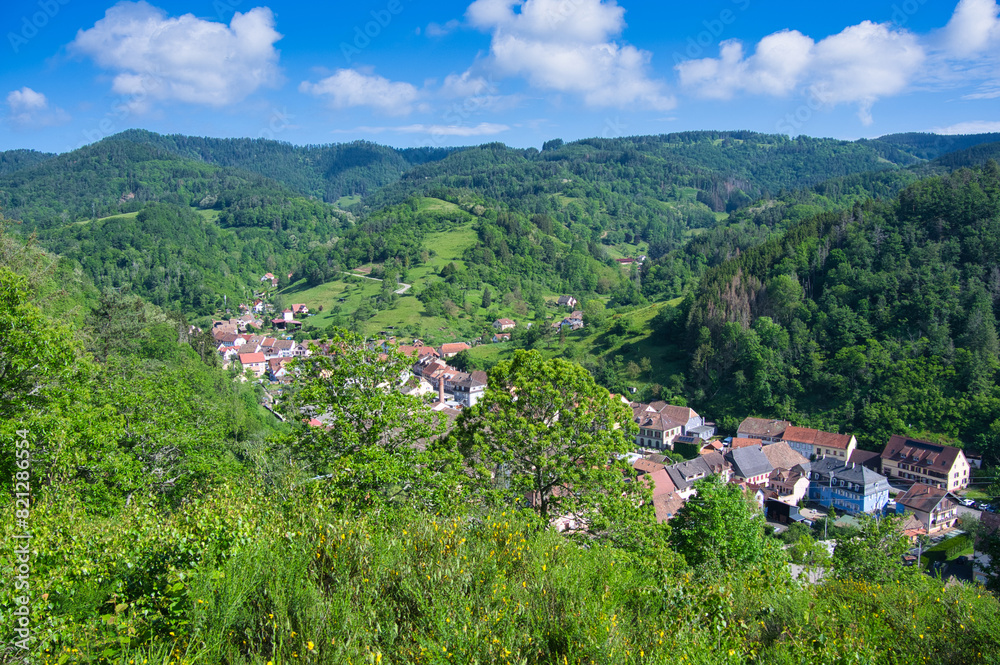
(327, 172)
(175, 519)
(809, 236)
(879, 319)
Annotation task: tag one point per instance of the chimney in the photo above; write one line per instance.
(441, 390)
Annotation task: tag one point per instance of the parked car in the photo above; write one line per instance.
(990, 508)
(909, 560)
(968, 503)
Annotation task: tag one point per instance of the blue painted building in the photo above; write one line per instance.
(850, 488)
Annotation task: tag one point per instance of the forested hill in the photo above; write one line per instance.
(15, 160)
(932, 146)
(180, 232)
(880, 319)
(113, 176)
(728, 169)
(975, 156)
(327, 172)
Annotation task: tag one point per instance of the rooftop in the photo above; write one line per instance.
(761, 427)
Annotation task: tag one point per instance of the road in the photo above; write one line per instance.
(403, 288)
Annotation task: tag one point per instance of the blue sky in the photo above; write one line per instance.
(407, 73)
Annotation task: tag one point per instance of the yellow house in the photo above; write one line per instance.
(922, 461)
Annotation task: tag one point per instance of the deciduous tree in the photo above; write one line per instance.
(721, 522)
(371, 434)
(545, 431)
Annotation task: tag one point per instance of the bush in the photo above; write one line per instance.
(242, 575)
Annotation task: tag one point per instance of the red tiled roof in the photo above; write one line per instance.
(763, 427)
(647, 466)
(252, 358)
(781, 456)
(815, 437)
(666, 506)
(661, 482)
(456, 347)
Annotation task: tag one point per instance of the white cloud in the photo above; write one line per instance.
(466, 85)
(776, 67)
(482, 129)
(860, 65)
(969, 49)
(348, 88)
(186, 58)
(973, 28)
(974, 127)
(29, 109)
(865, 63)
(986, 94)
(26, 100)
(566, 46)
(436, 30)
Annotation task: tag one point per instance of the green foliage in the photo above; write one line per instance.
(546, 433)
(57, 285)
(989, 544)
(722, 524)
(163, 530)
(372, 439)
(595, 313)
(875, 554)
(34, 354)
(240, 574)
(117, 325)
(880, 320)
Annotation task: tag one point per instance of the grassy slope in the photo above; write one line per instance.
(667, 358)
(446, 247)
(288, 580)
(408, 317)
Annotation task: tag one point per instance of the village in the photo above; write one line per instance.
(795, 475)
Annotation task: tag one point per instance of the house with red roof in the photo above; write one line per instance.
(451, 350)
(255, 362)
(816, 443)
